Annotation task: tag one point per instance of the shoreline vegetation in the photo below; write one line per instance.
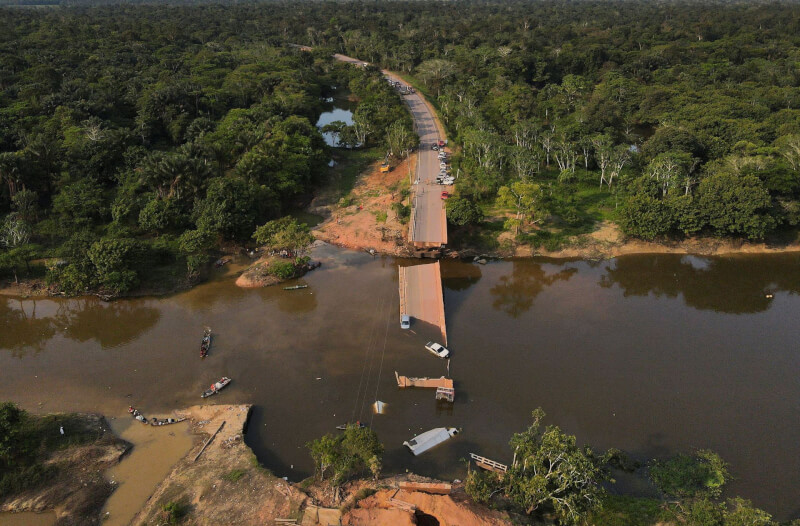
(43, 469)
(219, 480)
(133, 193)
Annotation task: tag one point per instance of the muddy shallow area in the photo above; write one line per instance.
(652, 354)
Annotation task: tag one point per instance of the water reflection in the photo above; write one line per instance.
(110, 324)
(734, 285)
(514, 293)
(23, 330)
(459, 276)
(80, 320)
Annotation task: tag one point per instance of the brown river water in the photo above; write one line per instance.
(651, 354)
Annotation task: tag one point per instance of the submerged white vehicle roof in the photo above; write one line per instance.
(425, 441)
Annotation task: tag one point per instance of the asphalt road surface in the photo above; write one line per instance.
(429, 225)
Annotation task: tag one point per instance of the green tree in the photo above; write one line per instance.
(462, 211)
(229, 208)
(194, 244)
(284, 234)
(701, 474)
(740, 512)
(645, 216)
(11, 421)
(550, 472)
(112, 259)
(526, 200)
(736, 204)
(354, 451)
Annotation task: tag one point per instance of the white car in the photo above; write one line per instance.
(405, 321)
(439, 350)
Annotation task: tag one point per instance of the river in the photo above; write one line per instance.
(652, 354)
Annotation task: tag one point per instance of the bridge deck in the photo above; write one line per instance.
(421, 295)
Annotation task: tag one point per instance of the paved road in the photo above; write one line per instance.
(429, 223)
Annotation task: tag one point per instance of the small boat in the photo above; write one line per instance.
(359, 425)
(425, 441)
(137, 415)
(295, 287)
(205, 343)
(216, 387)
(165, 421)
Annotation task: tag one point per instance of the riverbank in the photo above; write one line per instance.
(71, 469)
(369, 216)
(608, 241)
(226, 485)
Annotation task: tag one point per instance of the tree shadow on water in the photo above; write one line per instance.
(514, 293)
(732, 285)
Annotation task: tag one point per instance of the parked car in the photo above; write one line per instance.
(445, 195)
(439, 350)
(434, 147)
(405, 321)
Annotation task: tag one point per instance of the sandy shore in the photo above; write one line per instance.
(79, 488)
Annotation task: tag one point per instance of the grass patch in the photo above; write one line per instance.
(620, 510)
(173, 512)
(234, 475)
(349, 165)
(381, 216)
(35, 438)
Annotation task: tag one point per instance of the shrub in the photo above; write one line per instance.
(703, 474)
(234, 475)
(173, 512)
(282, 270)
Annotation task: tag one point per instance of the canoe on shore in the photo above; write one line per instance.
(165, 421)
(137, 415)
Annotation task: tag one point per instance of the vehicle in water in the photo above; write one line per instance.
(216, 387)
(205, 343)
(429, 439)
(439, 350)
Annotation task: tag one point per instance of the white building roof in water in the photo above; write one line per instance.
(425, 441)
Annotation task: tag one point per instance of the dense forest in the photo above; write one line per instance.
(135, 141)
(135, 138)
(672, 118)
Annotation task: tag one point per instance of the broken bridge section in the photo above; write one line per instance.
(421, 295)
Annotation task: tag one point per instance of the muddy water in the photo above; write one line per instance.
(27, 519)
(156, 450)
(651, 354)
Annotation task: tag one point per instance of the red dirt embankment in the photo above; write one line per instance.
(368, 221)
(383, 509)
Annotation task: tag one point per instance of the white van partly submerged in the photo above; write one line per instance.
(425, 441)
